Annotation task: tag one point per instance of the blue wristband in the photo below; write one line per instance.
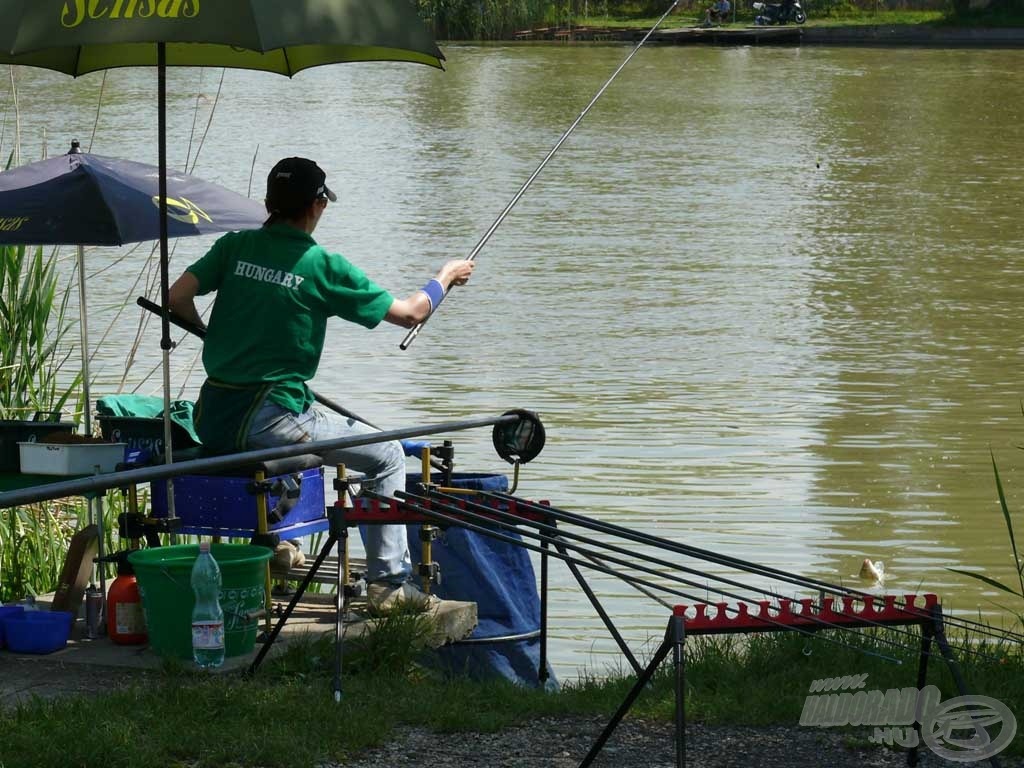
(435, 293)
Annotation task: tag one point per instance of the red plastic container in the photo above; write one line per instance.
(126, 623)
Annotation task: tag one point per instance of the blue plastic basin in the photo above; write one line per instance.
(5, 611)
(37, 631)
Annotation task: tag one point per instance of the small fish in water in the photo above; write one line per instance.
(872, 571)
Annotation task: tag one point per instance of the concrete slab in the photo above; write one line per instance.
(314, 615)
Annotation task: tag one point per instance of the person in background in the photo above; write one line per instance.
(275, 289)
(717, 13)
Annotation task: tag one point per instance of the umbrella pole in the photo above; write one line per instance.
(84, 330)
(92, 502)
(165, 326)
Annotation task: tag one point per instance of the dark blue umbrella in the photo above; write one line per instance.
(82, 199)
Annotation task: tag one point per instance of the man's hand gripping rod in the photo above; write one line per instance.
(411, 335)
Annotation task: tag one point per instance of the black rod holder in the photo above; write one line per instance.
(489, 513)
(460, 520)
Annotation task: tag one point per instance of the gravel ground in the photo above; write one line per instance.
(563, 743)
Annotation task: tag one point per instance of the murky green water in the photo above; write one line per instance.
(767, 300)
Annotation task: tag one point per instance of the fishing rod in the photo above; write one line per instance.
(744, 565)
(412, 334)
(447, 520)
(553, 534)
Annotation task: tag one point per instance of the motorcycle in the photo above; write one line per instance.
(779, 13)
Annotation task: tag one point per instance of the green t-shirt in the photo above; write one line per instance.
(275, 290)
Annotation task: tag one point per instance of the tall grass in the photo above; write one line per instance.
(33, 543)
(1018, 561)
(33, 325)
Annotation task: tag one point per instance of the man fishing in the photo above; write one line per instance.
(275, 288)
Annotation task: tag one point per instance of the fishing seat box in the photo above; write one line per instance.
(14, 432)
(222, 505)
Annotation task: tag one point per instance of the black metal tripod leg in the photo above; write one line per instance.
(922, 680)
(542, 665)
(954, 668)
(679, 662)
(639, 685)
(339, 626)
(299, 592)
(612, 630)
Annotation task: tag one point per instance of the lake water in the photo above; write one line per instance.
(767, 300)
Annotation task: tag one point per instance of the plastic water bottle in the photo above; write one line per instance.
(207, 615)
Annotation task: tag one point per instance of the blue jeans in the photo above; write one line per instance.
(387, 547)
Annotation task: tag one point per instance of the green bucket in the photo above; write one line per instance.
(164, 577)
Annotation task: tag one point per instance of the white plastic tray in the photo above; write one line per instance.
(70, 458)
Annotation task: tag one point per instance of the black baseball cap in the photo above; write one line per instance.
(294, 183)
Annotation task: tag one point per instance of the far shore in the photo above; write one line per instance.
(869, 35)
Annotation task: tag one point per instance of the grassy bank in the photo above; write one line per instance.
(177, 718)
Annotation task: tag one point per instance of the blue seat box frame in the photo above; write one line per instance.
(216, 505)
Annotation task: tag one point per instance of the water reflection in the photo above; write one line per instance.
(767, 300)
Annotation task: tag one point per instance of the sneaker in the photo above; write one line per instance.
(286, 557)
(384, 596)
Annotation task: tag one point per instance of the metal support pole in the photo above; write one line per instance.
(339, 531)
(96, 503)
(542, 664)
(83, 319)
(262, 529)
(679, 665)
(427, 531)
(345, 502)
(213, 464)
(927, 632)
(165, 296)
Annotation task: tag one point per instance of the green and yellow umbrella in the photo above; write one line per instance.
(283, 36)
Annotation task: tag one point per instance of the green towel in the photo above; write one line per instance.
(149, 407)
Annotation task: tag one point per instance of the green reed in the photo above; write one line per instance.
(32, 546)
(34, 542)
(33, 327)
(1018, 561)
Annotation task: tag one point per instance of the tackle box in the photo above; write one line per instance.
(70, 458)
(14, 432)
